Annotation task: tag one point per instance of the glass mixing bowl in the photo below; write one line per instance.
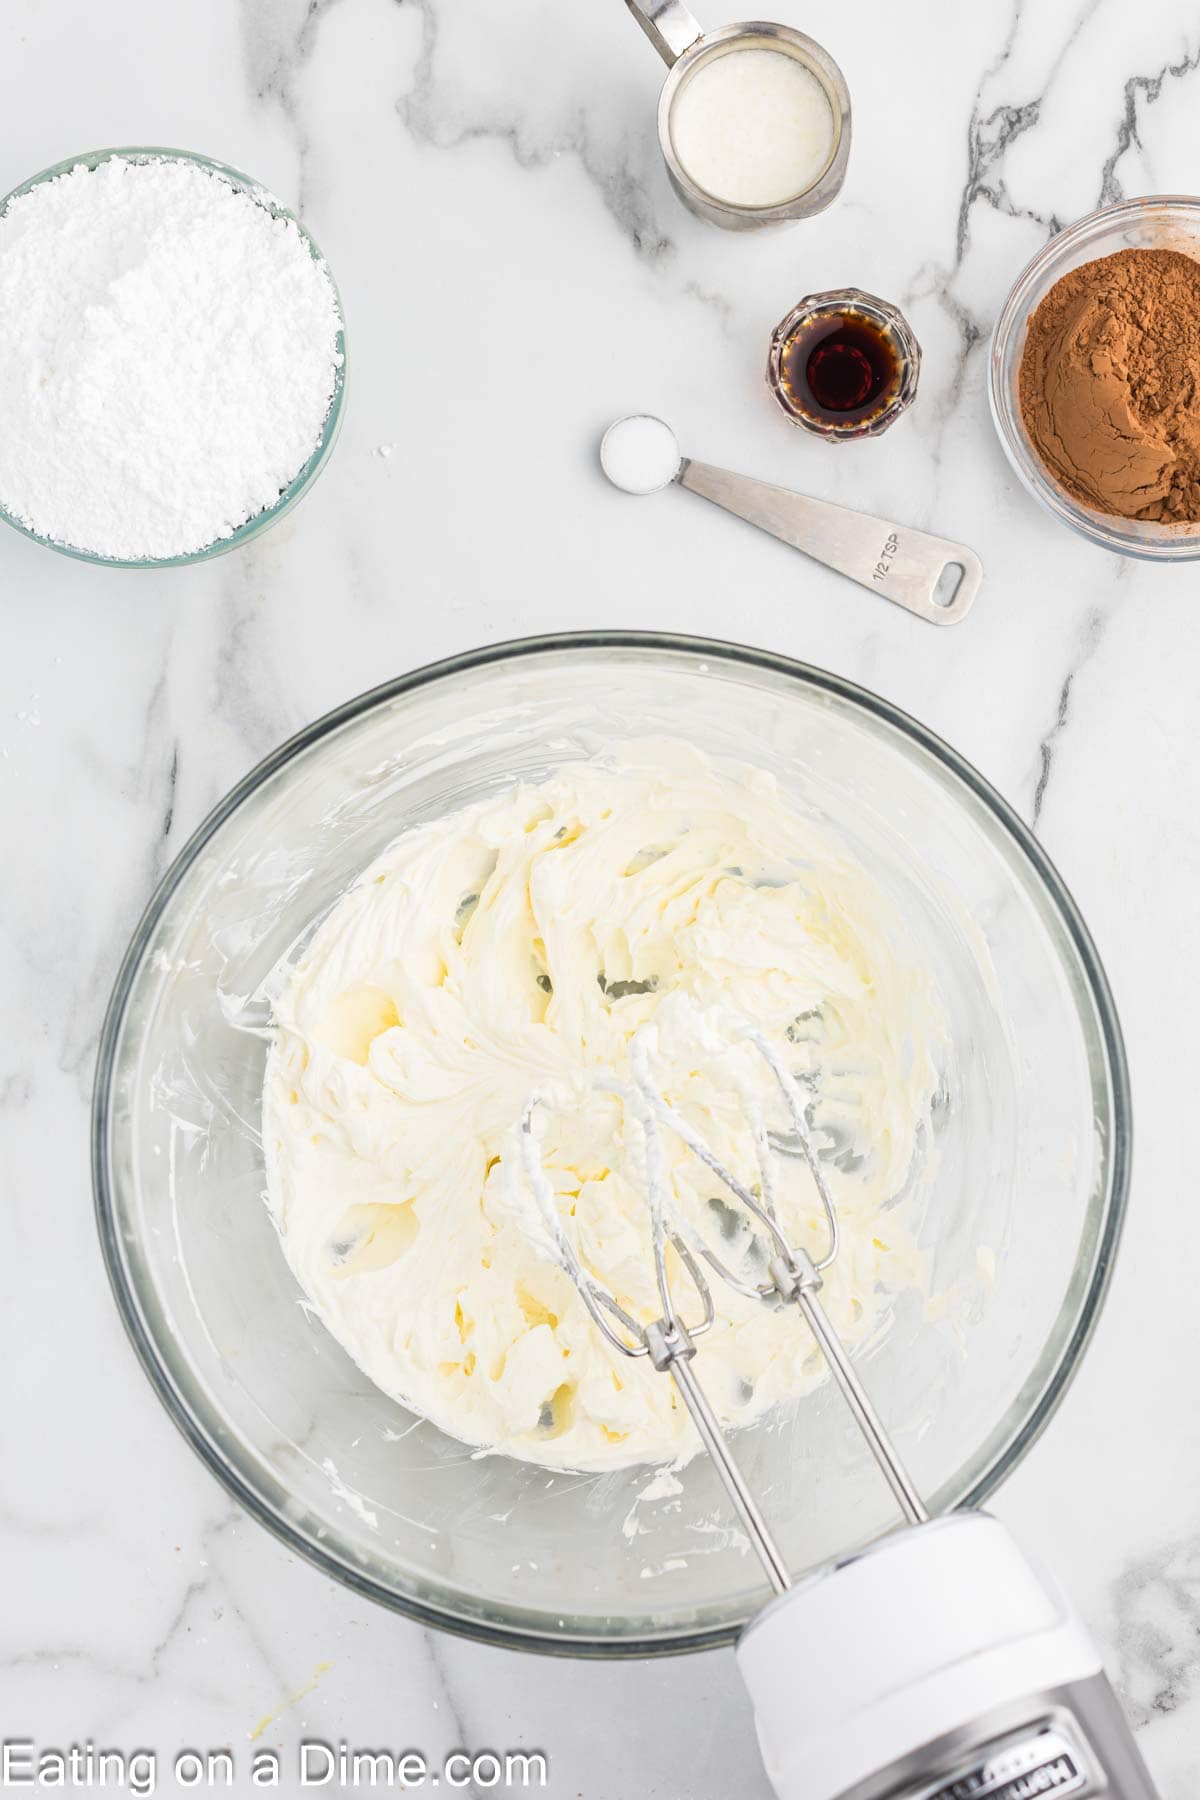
(1030, 1161)
(321, 450)
(1167, 222)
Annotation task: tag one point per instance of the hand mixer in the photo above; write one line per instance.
(937, 1663)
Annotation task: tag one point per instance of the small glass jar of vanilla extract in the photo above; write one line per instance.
(844, 364)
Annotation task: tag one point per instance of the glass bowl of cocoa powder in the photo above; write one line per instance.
(1095, 377)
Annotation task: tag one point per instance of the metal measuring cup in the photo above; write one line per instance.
(683, 46)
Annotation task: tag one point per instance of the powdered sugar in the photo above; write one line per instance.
(168, 357)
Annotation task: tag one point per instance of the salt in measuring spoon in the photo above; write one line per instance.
(933, 577)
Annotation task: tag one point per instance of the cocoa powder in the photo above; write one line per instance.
(1109, 384)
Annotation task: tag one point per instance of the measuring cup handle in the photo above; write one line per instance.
(669, 26)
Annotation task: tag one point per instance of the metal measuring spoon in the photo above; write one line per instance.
(931, 576)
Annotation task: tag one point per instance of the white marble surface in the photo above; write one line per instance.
(484, 180)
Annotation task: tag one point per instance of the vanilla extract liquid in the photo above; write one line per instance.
(840, 368)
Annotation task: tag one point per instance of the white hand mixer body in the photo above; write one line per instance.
(937, 1664)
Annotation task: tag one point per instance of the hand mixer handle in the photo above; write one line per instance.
(937, 1662)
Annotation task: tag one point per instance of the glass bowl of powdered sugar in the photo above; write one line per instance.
(1095, 364)
(172, 358)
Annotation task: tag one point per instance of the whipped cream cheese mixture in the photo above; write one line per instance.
(519, 944)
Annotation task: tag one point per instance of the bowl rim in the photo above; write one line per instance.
(304, 477)
(511, 1634)
(1012, 318)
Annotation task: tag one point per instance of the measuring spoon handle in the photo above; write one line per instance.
(913, 568)
(669, 26)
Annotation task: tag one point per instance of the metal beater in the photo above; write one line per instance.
(793, 1274)
(936, 1664)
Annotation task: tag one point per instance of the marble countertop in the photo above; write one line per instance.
(485, 182)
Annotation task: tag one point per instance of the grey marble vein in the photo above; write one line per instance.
(278, 37)
(993, 128)
(172, 784)
(16, 1089)
(24, 1524)
(996, 126)
(247, 694)
(147, 781)
(1157, 1601)
(618, 174)
(1141, 91)
(1088, 643)
(437, 1651)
